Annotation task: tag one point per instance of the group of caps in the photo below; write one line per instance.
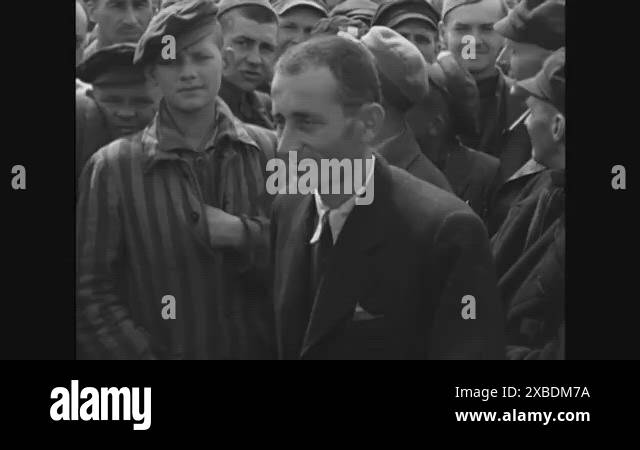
(408, 71)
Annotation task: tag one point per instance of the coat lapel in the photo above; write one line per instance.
(348, 275)
(292, 304)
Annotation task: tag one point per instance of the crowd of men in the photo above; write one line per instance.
(183, 252)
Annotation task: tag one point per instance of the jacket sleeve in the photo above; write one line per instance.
(468, 320)
(105, 329)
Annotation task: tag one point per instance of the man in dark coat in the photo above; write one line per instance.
(404, 82)
(392, 279)
(533, 30)
(448, 110)
(250, 29)
(529, 247)
(118, 101)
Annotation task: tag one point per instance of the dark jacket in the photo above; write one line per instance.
(503, 135)
(92, 131)
(529, 256)
(506, 192)
(404, 152)
(408, 259)
(250, 107)
(473, 176)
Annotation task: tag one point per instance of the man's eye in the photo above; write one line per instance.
(116, 4)
(202, 57)
(423, 40)
(141, 4)
(487, 28)
(462, 28)
(142, 102)
(289, 26)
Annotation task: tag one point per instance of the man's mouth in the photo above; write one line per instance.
(251, 75)
(190, 89)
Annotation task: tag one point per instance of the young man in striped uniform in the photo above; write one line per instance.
(172, 228)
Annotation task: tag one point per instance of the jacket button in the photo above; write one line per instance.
(195, 216)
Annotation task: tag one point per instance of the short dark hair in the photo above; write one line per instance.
(256, 13)
(350, 62)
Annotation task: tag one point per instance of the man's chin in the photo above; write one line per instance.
(191, 105)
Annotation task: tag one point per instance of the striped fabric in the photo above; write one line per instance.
(142, 235)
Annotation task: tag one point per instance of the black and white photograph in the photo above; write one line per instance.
(320, 180)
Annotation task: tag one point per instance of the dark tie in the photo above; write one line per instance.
(320, 254)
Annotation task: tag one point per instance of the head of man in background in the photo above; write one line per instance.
(81, 31)
(326, 100)
(297, 18)
(362, 10)
(547, 122)
(533, 30)
(415, 20)
(467, 31)
(404, 82)
(119, 20)
(250, 31)
(120, 89)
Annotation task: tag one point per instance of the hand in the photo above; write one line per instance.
(225, 230)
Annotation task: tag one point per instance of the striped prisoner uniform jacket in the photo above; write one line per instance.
(142, 237)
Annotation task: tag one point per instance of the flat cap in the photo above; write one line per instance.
(355, 9)
(401, 67)
(282, 6)
(195, 17)
(226, 5)
(450, 5)
(391, 14)
(539, 22)
(335, 24)
(549, 84)
(112, 65)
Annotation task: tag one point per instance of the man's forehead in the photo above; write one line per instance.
(302, 12)
(251, 27)
(134, 89)
(415, 25)
(485, 11)
(310, 83)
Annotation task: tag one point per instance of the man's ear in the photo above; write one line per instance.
(92, 6)
(435, 125)
(228, 58)
(443, 36)
(371, 118)
(558, 127)
(150, 75)
(89, 93)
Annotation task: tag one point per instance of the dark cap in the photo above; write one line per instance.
(355, 9)
(195, 18)
(539, 22)
(549, 83)
(112, 65)
(392, 14)
(226, 5)
(450, 5)
(282, 6)
(400, 66)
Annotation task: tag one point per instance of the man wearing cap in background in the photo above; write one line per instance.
(250, 30)
(416, 20)
(448, 111)
(172, 220)
(118, 21)
(356, 9)
(533, 30)
(369, 281)
(297, 18)
(498, 110)
(404, 82)
(529, 248)
(125, 101)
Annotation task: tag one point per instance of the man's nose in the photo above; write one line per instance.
(187, 71)
(287, 141)
(253, 56)
(130, 16)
